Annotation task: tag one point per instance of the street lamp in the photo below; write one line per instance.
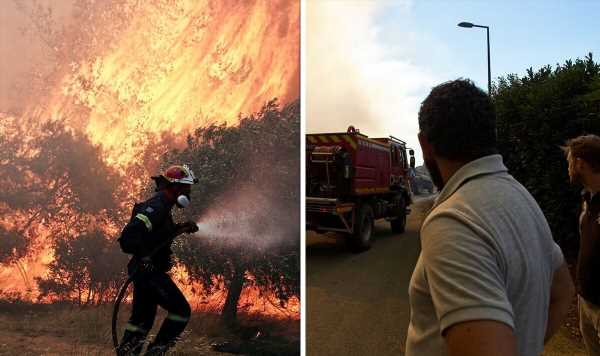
(469, 25)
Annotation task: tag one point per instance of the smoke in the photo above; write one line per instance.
(246, 217)
(25, 54)
(355, 78)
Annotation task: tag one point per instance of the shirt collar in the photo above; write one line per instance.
(589, 197)
(585, 194)
(482, 166)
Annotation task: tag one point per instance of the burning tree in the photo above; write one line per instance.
(87, 269)
(247, 204)
(47, 190)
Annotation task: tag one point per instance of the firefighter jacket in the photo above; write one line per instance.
(588, 262)
(149, 233)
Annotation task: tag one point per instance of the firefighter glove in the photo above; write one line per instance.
(188, 227)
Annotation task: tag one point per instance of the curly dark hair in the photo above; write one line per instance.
(586, 147)
(459, 121)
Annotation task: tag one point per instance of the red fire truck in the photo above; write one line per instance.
(353, 180)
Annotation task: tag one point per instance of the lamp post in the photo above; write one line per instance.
(469, 25)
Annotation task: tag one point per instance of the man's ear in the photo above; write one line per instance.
(426, 147)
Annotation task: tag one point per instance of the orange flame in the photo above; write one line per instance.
(179, 67)
(253, 300)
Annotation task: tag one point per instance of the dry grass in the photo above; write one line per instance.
(563, 343)
(61, 329)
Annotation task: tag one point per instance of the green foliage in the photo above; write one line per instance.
(252, 168)
(536, 114)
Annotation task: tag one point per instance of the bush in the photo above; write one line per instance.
(536, 114)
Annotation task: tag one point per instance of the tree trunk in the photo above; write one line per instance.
(101, 290)
(229, 312)
(90, 296)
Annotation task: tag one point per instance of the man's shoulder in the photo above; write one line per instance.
(462, 203)
(501, 188)
(472, 204)
(488, 184)
(446, 221)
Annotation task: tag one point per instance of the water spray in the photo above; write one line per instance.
(229, 231)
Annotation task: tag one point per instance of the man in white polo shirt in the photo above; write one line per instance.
(490, 280)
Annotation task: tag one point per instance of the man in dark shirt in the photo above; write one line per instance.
(583, 155)
(148, 237)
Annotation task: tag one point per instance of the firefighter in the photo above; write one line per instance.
(148, 237)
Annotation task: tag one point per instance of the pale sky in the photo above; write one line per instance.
(371, 63)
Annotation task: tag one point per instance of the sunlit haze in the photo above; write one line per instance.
(371, 63)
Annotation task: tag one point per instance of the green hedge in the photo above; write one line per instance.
(536, 114)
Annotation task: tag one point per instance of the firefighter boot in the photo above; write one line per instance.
(156, 350)
(166, 337)
(131, 344)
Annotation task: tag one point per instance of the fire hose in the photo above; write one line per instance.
(115, 314)
(123, 291)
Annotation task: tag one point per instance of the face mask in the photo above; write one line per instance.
(183, 201)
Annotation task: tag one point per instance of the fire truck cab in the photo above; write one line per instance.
(353, 180)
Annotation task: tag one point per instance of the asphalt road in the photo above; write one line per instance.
(357, 304)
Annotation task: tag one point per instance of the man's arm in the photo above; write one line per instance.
(561, 292)
(468, 289)
(480, 337)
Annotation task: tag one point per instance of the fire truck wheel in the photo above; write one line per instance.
(399, 223)
(361, 240)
